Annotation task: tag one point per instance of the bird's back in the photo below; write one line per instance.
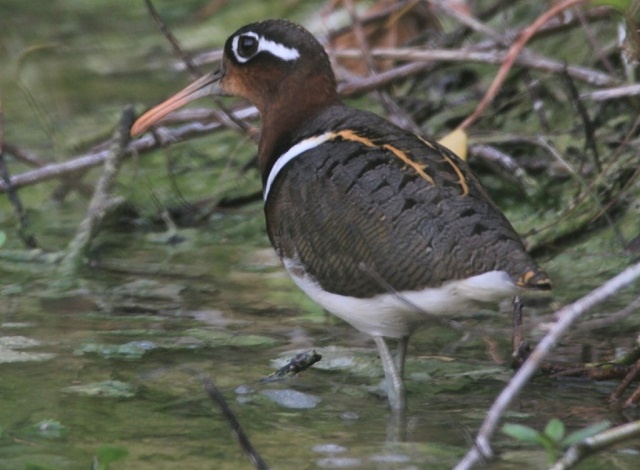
(370, 207)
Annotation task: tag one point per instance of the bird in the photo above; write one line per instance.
(380, 226)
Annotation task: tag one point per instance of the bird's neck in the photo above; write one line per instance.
(284, 118)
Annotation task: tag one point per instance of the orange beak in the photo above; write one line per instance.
(204, 86)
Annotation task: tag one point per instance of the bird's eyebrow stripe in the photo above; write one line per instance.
(276, 49)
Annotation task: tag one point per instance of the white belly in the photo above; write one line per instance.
(393, 315)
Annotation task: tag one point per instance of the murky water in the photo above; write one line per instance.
(118, 366)
(111, 369)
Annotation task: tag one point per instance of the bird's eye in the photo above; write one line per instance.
(247, 46)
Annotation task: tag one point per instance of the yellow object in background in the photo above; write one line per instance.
(457, 142)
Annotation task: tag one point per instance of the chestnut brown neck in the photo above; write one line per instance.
(298, 100)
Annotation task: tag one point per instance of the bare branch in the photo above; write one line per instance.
(513, 54)
(613, 93)
(566, 317)
(526, 59)
(223, 115)
(103, 201)
(596, 443)
(142, 145)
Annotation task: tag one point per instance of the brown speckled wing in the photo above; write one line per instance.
(375, 207)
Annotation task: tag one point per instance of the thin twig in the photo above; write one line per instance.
(595, 46)
(631, 375)
(387, 11)
(224, 117)
(518, 346)
(587, 123)
(633, 399)
(611, 318)
(361, 38)
(169, 36)
(103, 201)
(367, 84)
(393, 111)
(234, 424)
(69, 181)
(27, 238)
(23, 155)
(588, 192)
(613, 93)
(462, 17)
(567, 316)
(506, 163)
(537, 101)
(512, 55)
(467, 55)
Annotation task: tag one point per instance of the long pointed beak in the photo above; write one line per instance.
(206, 85)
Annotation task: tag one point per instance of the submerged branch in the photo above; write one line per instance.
(235, 426)
(103, 201)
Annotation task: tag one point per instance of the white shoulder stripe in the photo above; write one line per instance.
(295, 151)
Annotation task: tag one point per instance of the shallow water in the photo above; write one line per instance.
(110, 368)
(128, 354)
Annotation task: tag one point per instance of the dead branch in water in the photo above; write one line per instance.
(103, 201)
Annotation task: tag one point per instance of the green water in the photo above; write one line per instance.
(109, 372)
(128, 354)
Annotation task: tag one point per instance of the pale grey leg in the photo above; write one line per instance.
(401, 354)
(395, 385)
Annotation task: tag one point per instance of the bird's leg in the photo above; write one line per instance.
(401, 354)
(395, 385)
(520, 346)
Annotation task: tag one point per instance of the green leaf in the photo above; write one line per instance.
(3, 238)
(555, 430)
(522, 433)
(582, 434)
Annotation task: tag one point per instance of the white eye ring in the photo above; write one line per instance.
(243, 56)
(276, 49)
